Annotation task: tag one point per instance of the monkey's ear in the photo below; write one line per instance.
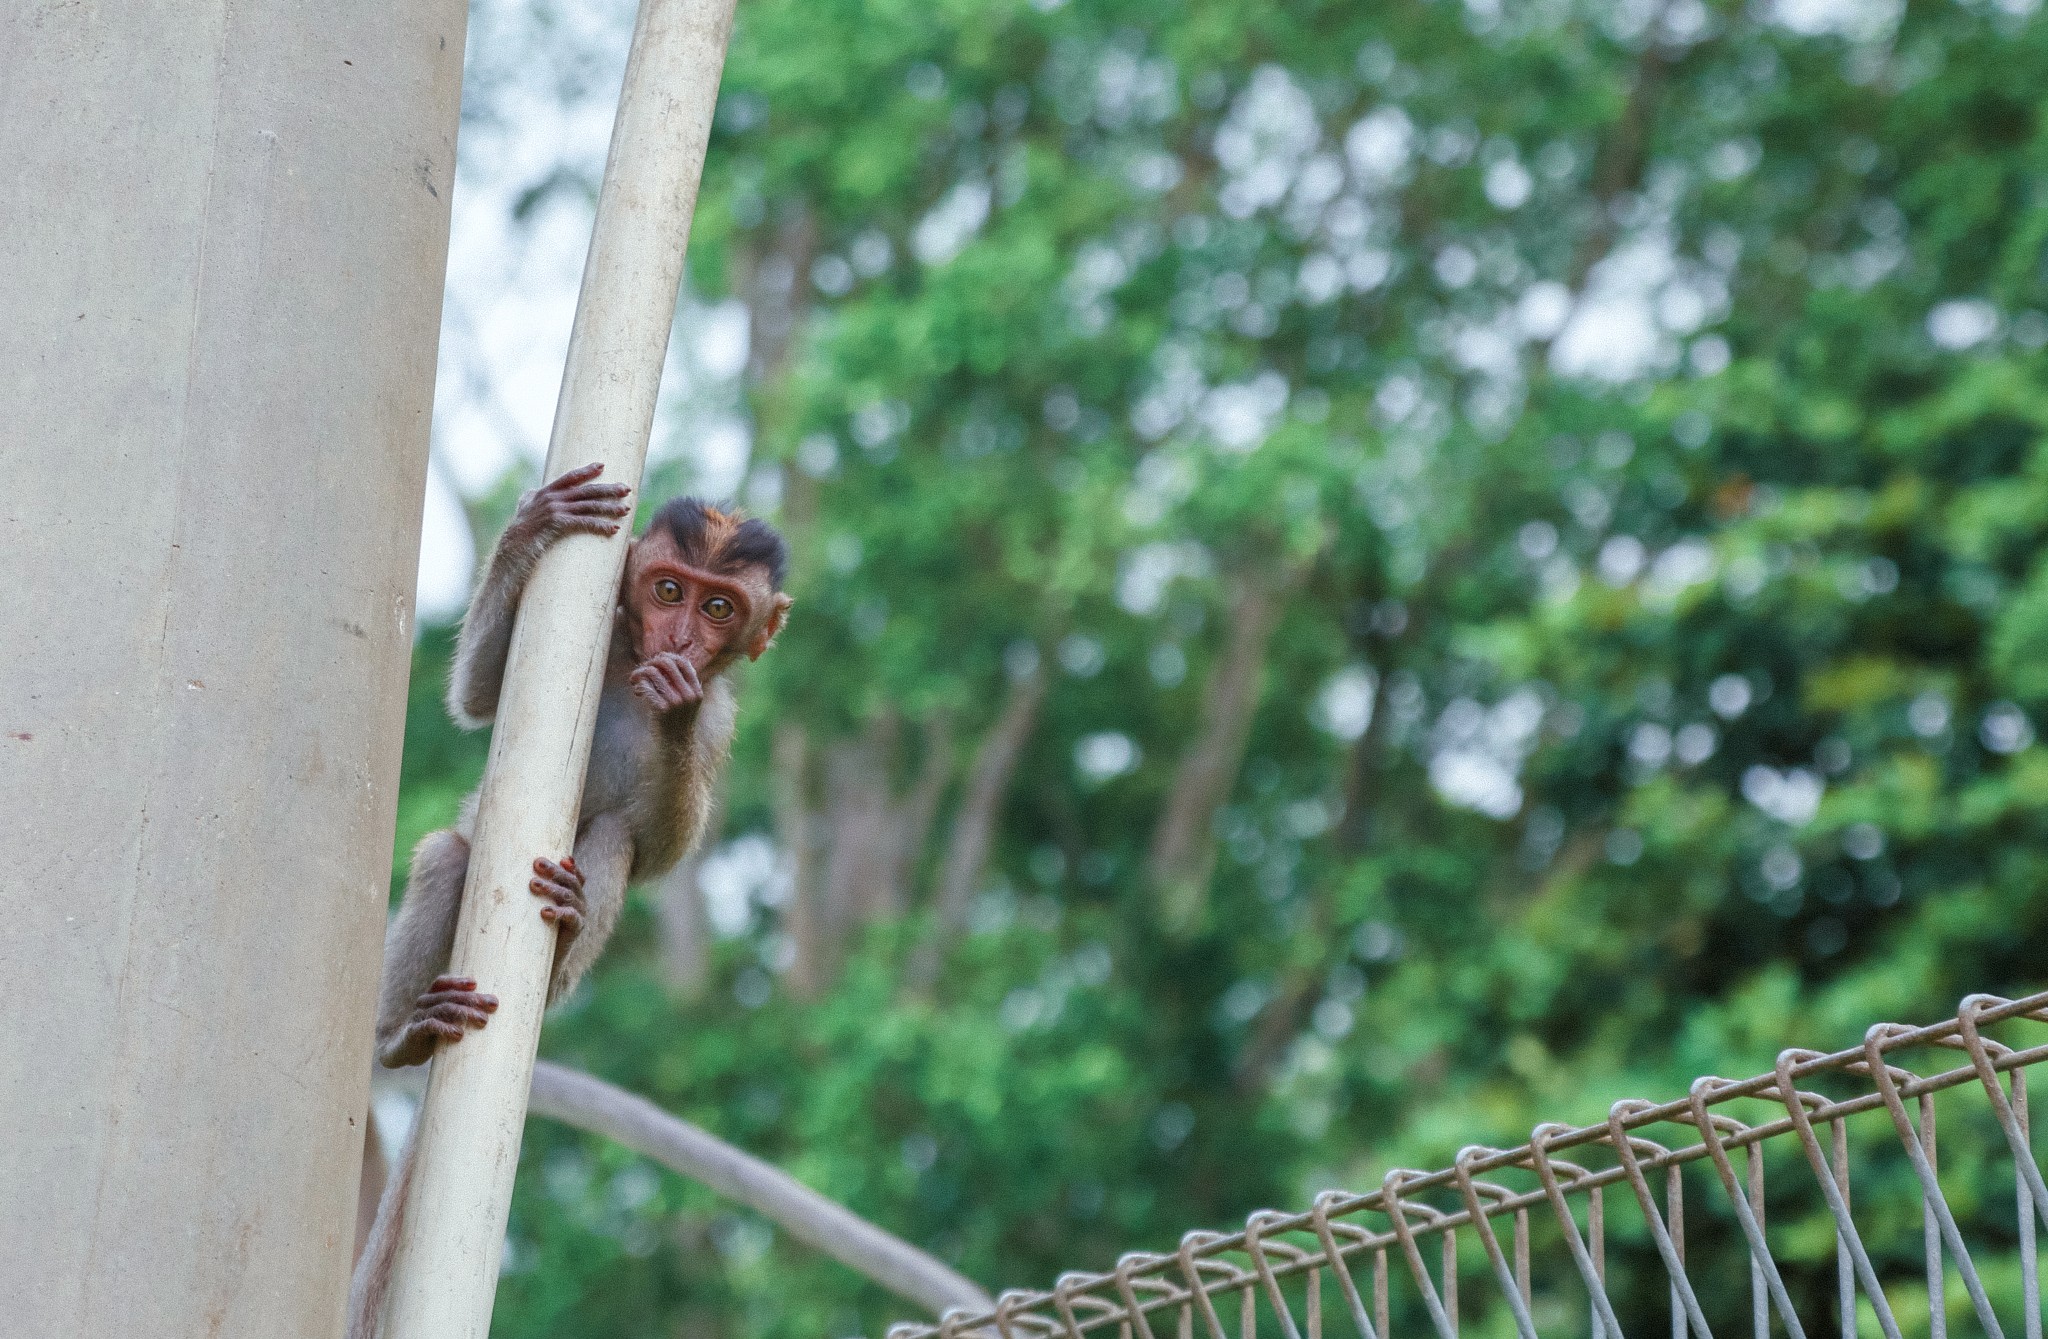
(778, 611)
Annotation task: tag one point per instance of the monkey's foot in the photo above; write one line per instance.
(561, 886)
(450, 1008)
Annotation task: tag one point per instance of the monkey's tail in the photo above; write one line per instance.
(372, 1278)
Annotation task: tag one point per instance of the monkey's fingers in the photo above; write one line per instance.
(663, 668)
(567, 920)
(653, 685)
(581, 474)
(608, 494)
(678, 675)
(457, 1016)
(683, 675)
(435, 1028)
(652, 689)
(452, 983)
(562, 886)
(566, 875)
(566, 512)
(468, 999)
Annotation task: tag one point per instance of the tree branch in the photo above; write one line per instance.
(1623, 157)
(586, 1102)
(974, 825)
(589, 1103)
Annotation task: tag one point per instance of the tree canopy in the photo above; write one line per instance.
(1366, 576)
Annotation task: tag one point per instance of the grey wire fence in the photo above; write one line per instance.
(1581, 1227)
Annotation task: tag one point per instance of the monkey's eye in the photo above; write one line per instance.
(668, 591)
(719, 609)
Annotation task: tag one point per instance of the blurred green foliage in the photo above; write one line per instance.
(1630, 417)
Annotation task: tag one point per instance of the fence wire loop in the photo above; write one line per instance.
(1257, 1250)
(1666, 1228)
(1474, 1192)
(1128, 1287)
(1327, 1234)
(1441, 1308)
(1554, 1188)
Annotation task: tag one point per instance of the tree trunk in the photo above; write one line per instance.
(860, 830)
(773, 288)
(974, 826)
(874, 837)
(801, 918)
(680, 922)
(1183, 844)
(1624, 154)
(915, 815)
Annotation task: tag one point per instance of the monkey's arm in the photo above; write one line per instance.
(604, 855)
(570, 504)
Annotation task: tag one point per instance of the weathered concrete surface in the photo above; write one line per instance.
(223, 229)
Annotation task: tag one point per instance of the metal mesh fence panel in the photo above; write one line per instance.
(1812, 1200)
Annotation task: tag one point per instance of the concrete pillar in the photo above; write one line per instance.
(223, 228)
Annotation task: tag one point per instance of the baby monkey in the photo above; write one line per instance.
(701, 588)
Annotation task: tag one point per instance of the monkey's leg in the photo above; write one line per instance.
(420, 1008)
(584, 896)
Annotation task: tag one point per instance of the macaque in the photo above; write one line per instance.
(702, 588)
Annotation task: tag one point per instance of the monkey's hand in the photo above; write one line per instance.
(667, 681)
(450, 1008)
(561, 886)
(571, 504)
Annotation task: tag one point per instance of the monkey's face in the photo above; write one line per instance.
(705, 617)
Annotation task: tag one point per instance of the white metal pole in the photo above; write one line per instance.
(446, 1271)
